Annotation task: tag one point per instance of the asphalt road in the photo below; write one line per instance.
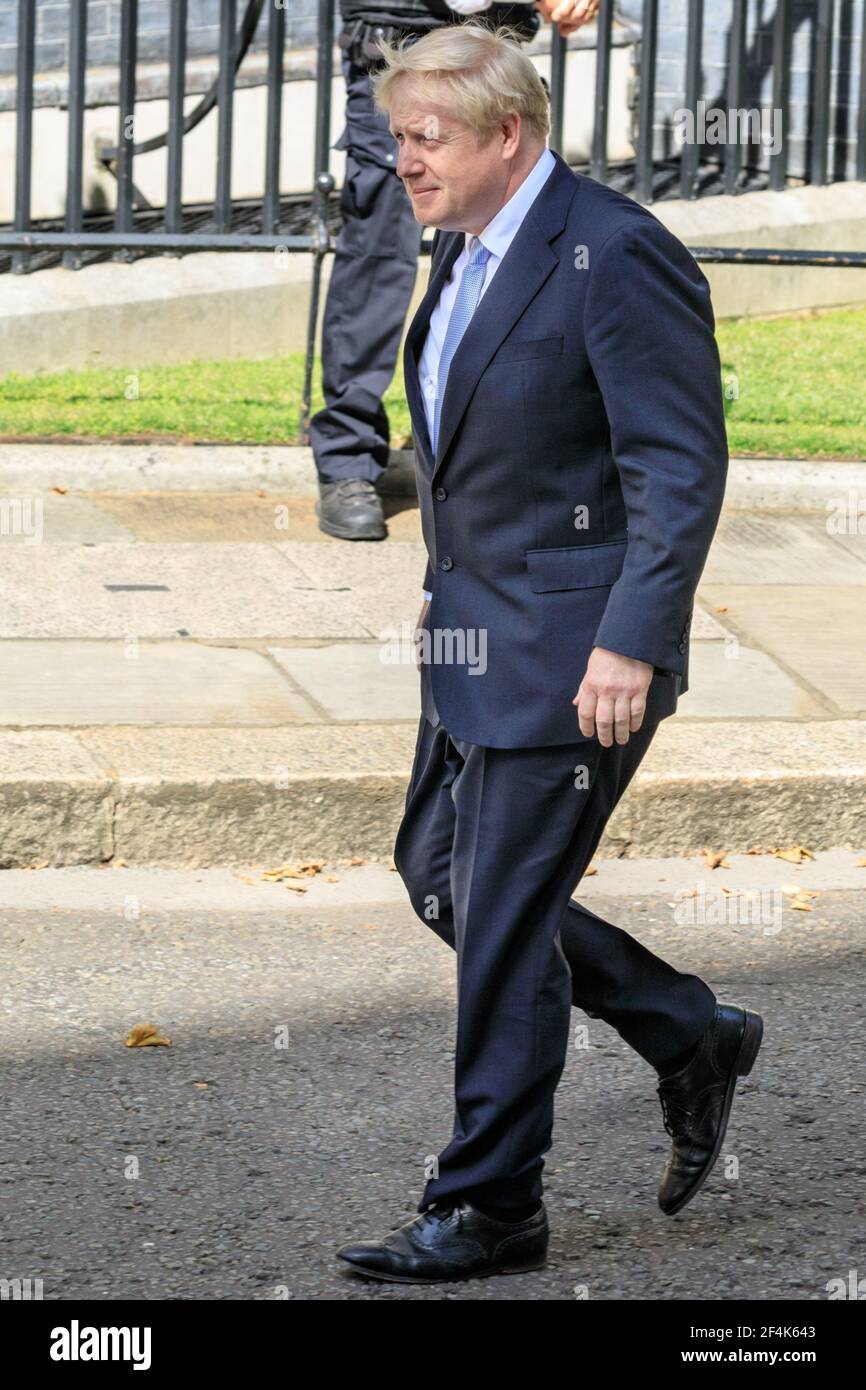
(310, 1074)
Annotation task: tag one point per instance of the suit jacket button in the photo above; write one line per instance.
(440, 494)
(682, 647)
(446, 563)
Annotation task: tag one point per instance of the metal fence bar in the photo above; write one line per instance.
(782, 32)
(72, 219)
(126, 115)
(736, 73)
(176, 94)
(860, 171)
(691, 152)
(558, 54)
(821, 110)
(273, 134)
(647, 101)
(323, 183)
(144, 241)
(24, 122)
(598, 158)
(225, 113)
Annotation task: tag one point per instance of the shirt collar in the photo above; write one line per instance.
(500, 231)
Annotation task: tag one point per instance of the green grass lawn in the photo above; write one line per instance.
(793, 386)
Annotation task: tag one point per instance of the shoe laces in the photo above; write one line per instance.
(355, 487)
(674, 1114)
(442, 1210)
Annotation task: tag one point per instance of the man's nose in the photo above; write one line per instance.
(408, 163)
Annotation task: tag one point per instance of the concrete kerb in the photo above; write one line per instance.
(753, 483)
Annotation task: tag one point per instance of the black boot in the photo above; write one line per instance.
(452, 1240)
(697, 1100)
(351, 511)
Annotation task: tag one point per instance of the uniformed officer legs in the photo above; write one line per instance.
(490, 847)
(372, 279)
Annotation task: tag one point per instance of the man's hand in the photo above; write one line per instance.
(612, 696)
(417, 633)
(568, 15)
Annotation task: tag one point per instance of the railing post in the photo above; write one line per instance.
(225, 112)
(736, 65)
(558, 54)
(126, 119)
(821, 112)
(647, 101)
(24, 125)
(860, 171)
(73, 220)
(691, 151)
(176, 94)
(604, 27)
(782, 31)
(276, 44)
(323, 183)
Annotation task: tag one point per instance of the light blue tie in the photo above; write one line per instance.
(468, 295)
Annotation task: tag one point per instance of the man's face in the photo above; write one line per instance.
(453, 181)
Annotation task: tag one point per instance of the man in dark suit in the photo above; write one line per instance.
(565, 393)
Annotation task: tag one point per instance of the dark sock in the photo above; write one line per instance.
(677, 1063)
(511, 1214)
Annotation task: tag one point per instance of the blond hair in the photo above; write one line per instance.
(486, 72)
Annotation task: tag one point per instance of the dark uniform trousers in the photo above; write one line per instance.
(491, 846)
(372, 279)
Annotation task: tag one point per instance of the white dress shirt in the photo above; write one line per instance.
(497, 236)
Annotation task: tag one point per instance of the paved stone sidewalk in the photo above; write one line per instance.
(190, 673)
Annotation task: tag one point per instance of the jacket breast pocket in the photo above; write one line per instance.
(575, 566)
(522, 350)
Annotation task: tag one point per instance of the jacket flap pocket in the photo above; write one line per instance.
(575, 566)
(517, 350)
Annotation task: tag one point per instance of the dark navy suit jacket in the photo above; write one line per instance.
(580, 466)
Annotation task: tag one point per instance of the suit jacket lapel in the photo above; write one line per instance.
(415, 342)
(526, 265)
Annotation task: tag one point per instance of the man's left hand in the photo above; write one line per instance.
(612, 696)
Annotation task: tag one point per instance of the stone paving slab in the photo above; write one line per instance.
(211, 591)
(756, 549)
(816, 632)
(352, 681)
(91, 683)
(50, 518)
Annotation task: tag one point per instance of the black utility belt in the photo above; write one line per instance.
(358, 39)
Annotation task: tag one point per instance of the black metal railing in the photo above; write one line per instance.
(135, 227)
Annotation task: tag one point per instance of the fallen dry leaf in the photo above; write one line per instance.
(369, 926)
(330, 878)
(796, 854)
(714, 860)
(61, 491)
(861, 864)
(356, 860)
(589, 871)
(146, 1035)
(721, 608)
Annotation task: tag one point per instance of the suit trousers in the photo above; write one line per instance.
(491, 846)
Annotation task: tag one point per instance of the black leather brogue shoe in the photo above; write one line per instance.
(452, 1240)
(351, 511)
(696, 1102)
